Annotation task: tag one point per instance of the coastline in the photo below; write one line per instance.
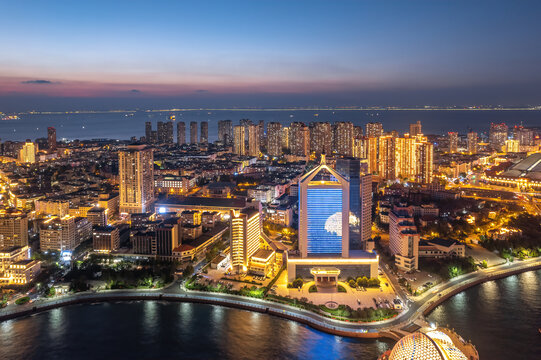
(335, 327)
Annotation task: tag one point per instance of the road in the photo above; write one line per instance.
(175, 292)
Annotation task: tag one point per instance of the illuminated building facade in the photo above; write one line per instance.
(343, 134)
(432, 344)
(299, 139)
(525, 136)
(165, 132)
(253, 140)
(136, 172)
(13, 230)
(105, 239)
(16, 267)
(374, 129)
(285, 137)
(497, 135)
(245, 227)
(239, 143)
(403, 238)
(274, 139)
(472, 142)
(512, 146)
(225, 131)
(27, 154)
(325, 254)
(181, 133)
(321, 138)
(416, 129)
(453, 142)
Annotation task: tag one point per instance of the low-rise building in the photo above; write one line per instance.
(105, 238)
(440, 248)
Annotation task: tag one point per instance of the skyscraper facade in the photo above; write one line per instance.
(253, 140)
(245, 228)
(193, 132)
(148, 132)
(497, 135)
(51, 138)
(374, 129)
(225, 131)
(453, 142)
(350, 168)
(204, 132)
(299, 139)
(472, 142)
(416, 129)
(274, 139)
(239, 142)
(136, 172)
(321, 138)
(27, 154)
(343, 138)
(181, 133)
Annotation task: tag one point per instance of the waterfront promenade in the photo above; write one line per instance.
(392, 328)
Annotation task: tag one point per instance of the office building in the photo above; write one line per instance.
(64, 234)
(13, 230)
(225, 131)
(324, 218)
(239, 142)
(453, 142)
(245, 227)
(472, 142)
(136, 173)
(204, 132)
(374, 129)
(51, 138)
(497, 135)
(343, 134)
(416, 129)
(525, 136)
(512, 146)
(274, 139)
(350, 168)
(181, 133)
(27, 154)
(167, 238)
(105, 239)
(193, 132)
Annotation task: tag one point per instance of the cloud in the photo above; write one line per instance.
(201, 91)
(39, 82)
(135, 91)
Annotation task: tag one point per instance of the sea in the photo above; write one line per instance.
(500, 317)
(124, 125)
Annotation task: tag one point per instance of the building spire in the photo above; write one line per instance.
(323, 161)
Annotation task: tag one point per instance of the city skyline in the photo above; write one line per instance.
(105, 56)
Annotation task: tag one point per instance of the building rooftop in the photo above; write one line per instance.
(236, 203)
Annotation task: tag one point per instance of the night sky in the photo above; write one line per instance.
(57, 55)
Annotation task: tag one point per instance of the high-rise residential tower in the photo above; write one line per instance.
(239, 141)
(51, 138)
(193, 132)
(225, 131)
(204, 132)
(416, 129)
(245, 228)
(274, 139)
(472, 142)
(27, 154)
(321, 138)
(374, 129)
(253, 140)
(181, 133)
(299, 139)
(497, 135)
(453, 142)
(136, 172)
(343, 138)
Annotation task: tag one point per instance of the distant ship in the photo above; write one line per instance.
(10, 117)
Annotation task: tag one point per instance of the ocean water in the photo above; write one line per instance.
(501, 318)
(124, 125)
